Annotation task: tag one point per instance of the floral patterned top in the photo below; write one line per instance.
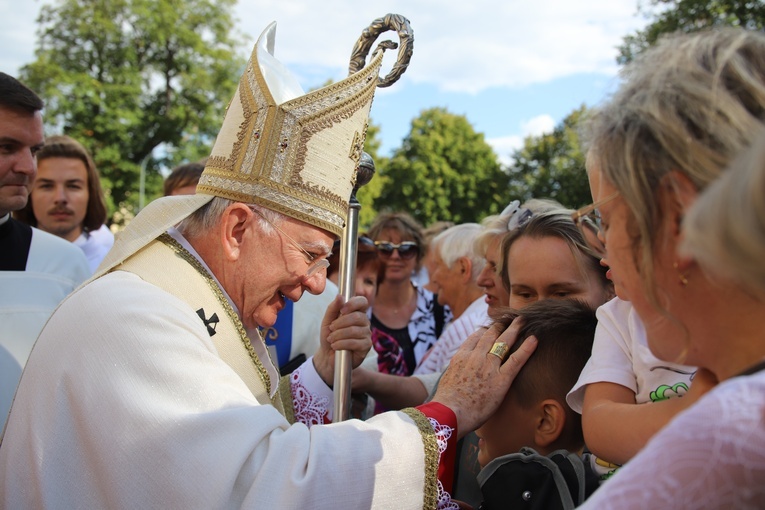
(400, 350)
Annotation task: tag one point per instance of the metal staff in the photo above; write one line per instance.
(365, 171)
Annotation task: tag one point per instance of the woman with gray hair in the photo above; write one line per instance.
(687, 108)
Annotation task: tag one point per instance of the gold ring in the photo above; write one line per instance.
(500, 350)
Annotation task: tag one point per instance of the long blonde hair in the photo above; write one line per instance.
(690, 104)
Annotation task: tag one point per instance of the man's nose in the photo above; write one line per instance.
(26, 163)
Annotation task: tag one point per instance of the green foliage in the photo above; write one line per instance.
(688, 16)
(552, 166)
(127, 76)
(369, 193)
(444, 170)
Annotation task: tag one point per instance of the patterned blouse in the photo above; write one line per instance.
(400, 350)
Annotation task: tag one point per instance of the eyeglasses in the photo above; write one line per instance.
(406, 250)
(315, 264)
(588, 220)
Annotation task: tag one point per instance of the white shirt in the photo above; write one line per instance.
(438, 358)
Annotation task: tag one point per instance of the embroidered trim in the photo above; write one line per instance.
(309, 409)
(432, 456)
(285, 392)
(189, 258)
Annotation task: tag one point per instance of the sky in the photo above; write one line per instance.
(514, 68)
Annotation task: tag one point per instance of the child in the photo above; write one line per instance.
(530, 449)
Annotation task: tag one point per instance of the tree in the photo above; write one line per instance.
(369, 193)
(552, 165)
(444, 170)
(689, 16)
(128, 76)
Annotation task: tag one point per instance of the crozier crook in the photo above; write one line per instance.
(364, 173)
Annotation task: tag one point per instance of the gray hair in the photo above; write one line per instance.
(725, 228)
(687, 105)
(208, 217)
(457, 242)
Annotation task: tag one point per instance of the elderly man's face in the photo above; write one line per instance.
(21, 136)
(275, 269)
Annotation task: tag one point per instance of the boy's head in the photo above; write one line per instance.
(534, 412)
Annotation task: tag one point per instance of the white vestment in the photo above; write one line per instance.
(95, 245)
(126, 402)
(54, 268)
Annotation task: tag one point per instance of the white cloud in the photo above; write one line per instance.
(459, 46)
(504, 146)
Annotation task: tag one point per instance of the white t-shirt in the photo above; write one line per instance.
(620, 355)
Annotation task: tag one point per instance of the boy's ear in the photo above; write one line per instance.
(551, 420)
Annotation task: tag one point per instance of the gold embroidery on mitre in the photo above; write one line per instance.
(291, 157)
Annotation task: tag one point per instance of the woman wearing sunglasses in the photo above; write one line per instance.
(687, 107)
(406, 319)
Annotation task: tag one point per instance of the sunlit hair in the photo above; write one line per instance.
(558, 224)
(565, 329)
(16, 96)
(366, 256)
(406, 226)
(688, 105)
(725, 228)
(208, 217)
(66, 147)
(457, 242)
(496, 225)
(184, 175)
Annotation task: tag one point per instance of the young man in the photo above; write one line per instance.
(151, 386)
(534, 437)
(67, 199)
(37, 270)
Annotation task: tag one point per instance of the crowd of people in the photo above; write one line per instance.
(605, 357)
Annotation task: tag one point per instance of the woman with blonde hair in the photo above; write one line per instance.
(685, 110)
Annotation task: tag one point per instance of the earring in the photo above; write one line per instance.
(683, 278)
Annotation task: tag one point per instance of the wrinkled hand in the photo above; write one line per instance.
(345, 327)
(476, 382)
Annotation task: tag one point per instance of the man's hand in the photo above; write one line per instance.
(476, 382)
(345, 328)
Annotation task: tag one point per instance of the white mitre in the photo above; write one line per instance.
(279, 147)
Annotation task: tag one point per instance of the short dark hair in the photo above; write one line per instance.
(62, 146)
(184, 175)
(565, 329)
(14, 95)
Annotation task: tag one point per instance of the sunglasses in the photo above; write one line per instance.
(406, 250)
(518, 216)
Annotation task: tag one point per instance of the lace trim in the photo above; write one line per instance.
(443, 434)
(309, 409)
